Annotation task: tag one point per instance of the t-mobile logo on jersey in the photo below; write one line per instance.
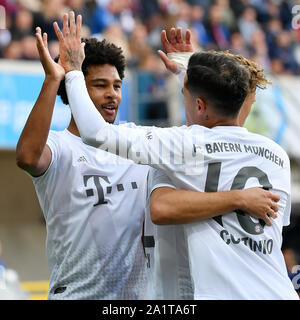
(2, 18)
(96, 179)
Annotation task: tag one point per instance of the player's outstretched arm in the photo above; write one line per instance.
(32, 153)
(172, 206)
(93, 129)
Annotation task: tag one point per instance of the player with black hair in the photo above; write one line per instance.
(92, 202)
(93, 205)
(230, 256)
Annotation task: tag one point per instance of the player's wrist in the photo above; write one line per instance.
(240, 200)
(51, 79)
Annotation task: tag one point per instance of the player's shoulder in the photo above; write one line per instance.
(270, 143)
(53, 134)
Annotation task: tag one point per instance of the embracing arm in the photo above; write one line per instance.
(32, 153)
(172, 206)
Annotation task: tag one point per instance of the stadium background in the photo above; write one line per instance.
(264, 30)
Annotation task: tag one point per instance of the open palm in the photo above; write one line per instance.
(176, 43)
(52, 69)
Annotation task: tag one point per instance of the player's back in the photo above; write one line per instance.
(234, 256)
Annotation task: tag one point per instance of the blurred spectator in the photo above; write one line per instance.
(29, 49)
(237, 45)
(22, 24)
(291, 262)
(50, 11)
(115, 34)
(284, 52)
(197, 23)
(100, 19)
(248, 24)
(259, 49)
(228, 14)
(13, 50)
(217, 30)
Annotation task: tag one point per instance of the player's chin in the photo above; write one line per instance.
(109, 115)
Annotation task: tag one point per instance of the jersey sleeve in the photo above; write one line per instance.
(157, 179)
(161, 148)
(55, 148)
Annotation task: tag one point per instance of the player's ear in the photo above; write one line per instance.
(201, 105)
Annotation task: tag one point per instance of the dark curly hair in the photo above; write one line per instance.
(219, 79)
(96, 53)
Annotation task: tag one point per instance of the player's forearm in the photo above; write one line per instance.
(181, 206)
(88, 120)
(35, 133)
(95, 131)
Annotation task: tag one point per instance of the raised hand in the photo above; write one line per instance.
(71, 49)
(176, 44)
(52, 69)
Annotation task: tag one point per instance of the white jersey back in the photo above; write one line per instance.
(94, 211)
(234, 256)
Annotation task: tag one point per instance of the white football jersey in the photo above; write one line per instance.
(232, 256)
(167, 252)
(94, 211)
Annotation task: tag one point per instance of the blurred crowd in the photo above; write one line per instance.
(258, 29)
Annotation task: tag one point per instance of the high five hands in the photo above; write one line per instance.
(71, 49)
(176, 43)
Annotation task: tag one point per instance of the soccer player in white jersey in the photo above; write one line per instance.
(231, 256)
(93, 207)
(92, 203)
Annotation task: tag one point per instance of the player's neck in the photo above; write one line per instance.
(73, 128)
(222, 122)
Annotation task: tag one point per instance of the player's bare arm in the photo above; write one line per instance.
(171, 206)
(176, 43)
(32, 153)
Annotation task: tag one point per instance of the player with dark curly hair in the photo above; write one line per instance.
(93, 201)
(96, 53)
(230, 256)
(81, 191)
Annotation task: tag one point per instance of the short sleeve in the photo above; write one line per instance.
(157, 179)
(55, 148)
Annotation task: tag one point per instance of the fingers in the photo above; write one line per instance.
(164, 58)
(78, 27)
(58, 32)
(179, 35)
(173, 39)
(188, 35)
(73, 30)
(268, 221)
(66, 30)
(273, 196)
(72, 24)
(41, 42)
(45, 40)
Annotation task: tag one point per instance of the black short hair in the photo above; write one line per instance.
(97, 53)
(218, 79)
